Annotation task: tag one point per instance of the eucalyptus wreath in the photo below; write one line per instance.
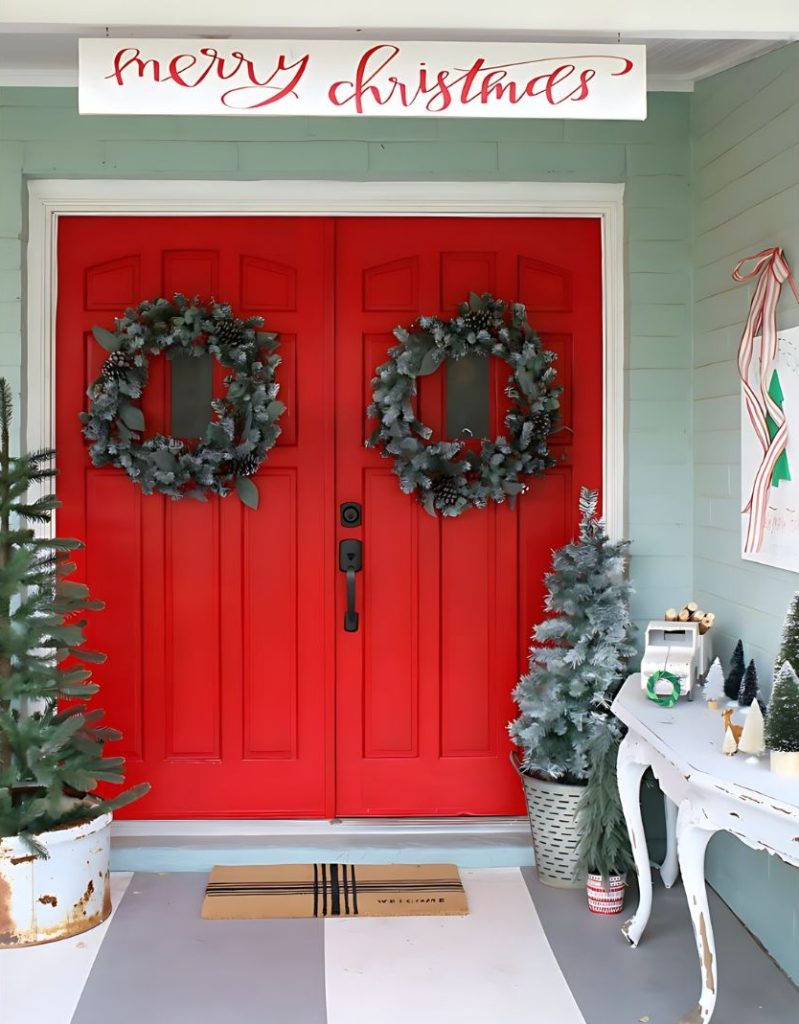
(448, 476)
(244, 422)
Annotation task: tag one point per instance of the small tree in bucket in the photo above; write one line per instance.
(578, 659)
(51, 754)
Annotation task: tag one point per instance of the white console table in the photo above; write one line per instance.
(706, 792)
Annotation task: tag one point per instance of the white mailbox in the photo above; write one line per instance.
(675, 647)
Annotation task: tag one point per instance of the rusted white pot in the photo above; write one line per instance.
(785, 762)
(42, 900)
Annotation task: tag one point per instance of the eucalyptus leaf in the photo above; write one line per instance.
(247, 491)
(110, 341)
(132, 417)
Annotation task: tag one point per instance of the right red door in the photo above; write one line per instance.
(446, 606)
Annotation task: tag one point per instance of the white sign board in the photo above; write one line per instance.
(777, 541)
(251, 77)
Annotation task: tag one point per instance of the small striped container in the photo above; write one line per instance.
(608, 900)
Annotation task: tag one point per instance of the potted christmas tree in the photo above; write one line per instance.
(782, 722)
(578, 659)
(604, 853)
(54, 834)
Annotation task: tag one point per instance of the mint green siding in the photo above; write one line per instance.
(41, 135)
(745, 135)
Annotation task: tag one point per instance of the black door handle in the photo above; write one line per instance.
(350, 561)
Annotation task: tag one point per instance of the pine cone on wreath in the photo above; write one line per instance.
(227, 332)
(246, 465)
(478, 320)
(116, 365)
(542, 423)
(446, 492)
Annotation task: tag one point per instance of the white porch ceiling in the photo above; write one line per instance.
(48, 54)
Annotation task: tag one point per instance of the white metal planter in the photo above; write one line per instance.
(552, 810)
(42, 900)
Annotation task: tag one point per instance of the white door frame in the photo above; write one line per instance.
(50, 199)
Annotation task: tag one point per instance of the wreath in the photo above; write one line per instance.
(448, 476)
(244, 423)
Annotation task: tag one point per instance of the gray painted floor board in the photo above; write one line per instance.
(659, 981)
(161, 962)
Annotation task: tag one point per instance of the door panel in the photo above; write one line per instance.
(423, 693)
(217, 622)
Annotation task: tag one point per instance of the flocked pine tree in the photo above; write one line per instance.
(789, 643)
(732, 684)
(579, 654)
(782, 721)
(51, 756)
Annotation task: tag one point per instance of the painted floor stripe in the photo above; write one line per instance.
(449, 970)
(42, 984)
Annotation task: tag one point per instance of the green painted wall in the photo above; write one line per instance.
(41, 135)
(745, 139)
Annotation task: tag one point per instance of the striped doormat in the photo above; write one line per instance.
(333, 890)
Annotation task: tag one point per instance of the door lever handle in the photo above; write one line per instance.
(350, 561)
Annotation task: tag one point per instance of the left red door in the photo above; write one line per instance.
(223, 702)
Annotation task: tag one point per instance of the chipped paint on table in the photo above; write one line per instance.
(711, 793)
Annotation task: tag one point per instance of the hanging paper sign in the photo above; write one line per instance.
(344, 78)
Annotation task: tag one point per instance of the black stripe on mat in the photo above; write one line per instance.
(335, 895)
(346, 891)
(315, 891)
(324, 890)
(354, 891)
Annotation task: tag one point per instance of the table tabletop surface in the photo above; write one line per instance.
(690, 735)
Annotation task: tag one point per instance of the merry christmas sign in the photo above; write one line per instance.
(252, 77)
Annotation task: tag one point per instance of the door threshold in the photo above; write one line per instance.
(197, 845)
(231, 827)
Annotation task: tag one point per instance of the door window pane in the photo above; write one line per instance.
(468, 397)
(191, 392)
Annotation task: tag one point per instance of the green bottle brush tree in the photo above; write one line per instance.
(51, 742)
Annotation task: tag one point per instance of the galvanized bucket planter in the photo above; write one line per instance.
(552, 810)
(42, 900)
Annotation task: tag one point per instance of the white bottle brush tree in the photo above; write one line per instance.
(51, 753)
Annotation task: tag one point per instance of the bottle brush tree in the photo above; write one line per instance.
(748, 691)
(51, 742)
(782, 721)
(578, 655)
(732, 684)
(789, 642)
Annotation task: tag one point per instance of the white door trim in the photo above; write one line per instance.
(54, 198)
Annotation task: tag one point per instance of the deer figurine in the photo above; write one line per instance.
(736, 730)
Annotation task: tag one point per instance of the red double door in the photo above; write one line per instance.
(238, 689)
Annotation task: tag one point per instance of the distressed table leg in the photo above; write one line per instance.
(670, 867)
(692, 840)
(630, 769)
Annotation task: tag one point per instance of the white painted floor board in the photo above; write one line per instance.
(42, 984)
(493, 965)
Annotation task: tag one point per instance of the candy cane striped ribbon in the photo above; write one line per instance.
(771, 271)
